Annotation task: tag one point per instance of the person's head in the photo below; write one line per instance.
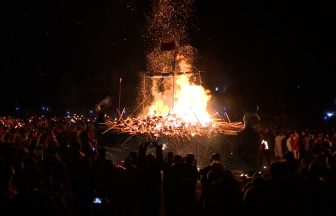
(170, 156)
(150, 158)
(178, 159)
(215, 157)
(190, 159)
(133, 156)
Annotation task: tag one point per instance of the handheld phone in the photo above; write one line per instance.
(97, 200)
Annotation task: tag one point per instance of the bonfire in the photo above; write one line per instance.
(173, 100)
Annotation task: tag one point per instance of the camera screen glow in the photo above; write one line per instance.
(97, 200)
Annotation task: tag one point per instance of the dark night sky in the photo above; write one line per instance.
(69, 54)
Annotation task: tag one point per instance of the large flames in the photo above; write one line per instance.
(178, 108)
(182, 99)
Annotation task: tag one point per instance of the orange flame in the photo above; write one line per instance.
(181, 98)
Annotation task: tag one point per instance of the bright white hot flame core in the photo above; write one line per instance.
(190, 100)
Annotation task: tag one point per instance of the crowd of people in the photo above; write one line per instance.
(57, 166)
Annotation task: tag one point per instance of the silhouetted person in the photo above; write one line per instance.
(249, 142)
(167, 163)
(150, 177)
(204, 173)
(99, 127)
(188, 194)
(172, 183)
(223, 197)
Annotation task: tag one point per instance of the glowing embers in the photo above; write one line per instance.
(177, 108)
(171, 125)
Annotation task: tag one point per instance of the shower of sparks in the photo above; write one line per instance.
(173, 101)
(168, 21)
